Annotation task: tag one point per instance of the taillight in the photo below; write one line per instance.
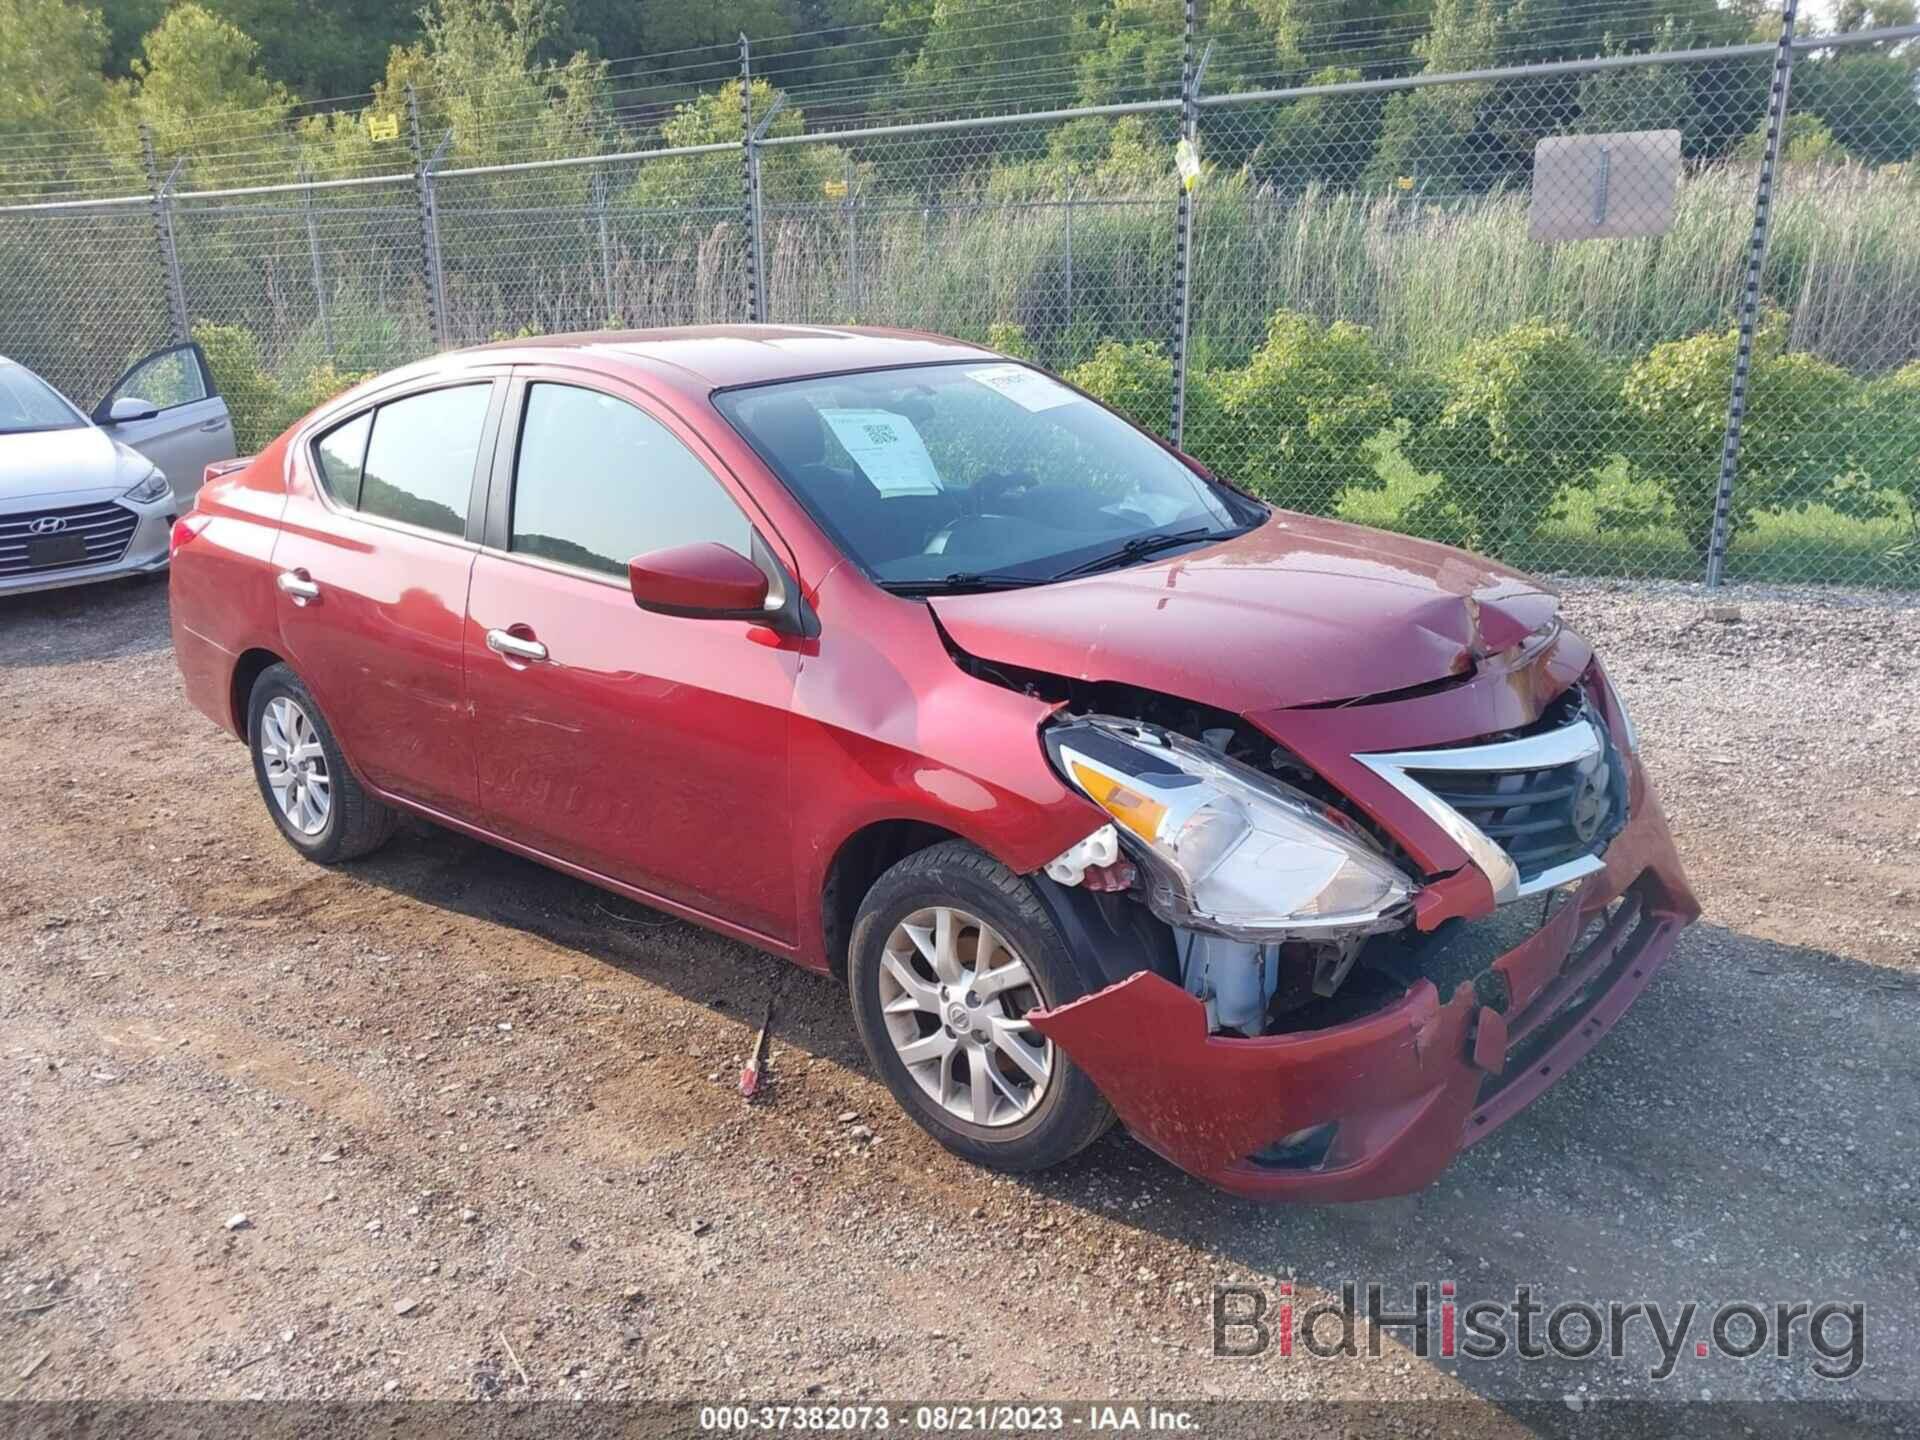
(185, 529)
(224, 467)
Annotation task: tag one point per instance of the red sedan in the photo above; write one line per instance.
(1309, 852)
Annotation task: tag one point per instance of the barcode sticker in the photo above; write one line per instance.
(888, 450)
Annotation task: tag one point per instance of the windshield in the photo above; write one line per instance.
(28, 403)
(960, 475)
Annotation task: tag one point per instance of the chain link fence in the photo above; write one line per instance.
(1508, 309)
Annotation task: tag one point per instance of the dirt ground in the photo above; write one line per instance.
(482, 1124)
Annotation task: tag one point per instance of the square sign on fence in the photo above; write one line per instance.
(1593, 187)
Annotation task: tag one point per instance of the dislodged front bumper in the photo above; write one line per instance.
(1406, 1087)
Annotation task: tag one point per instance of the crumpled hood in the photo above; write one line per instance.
(45, 463)
(1298, 612)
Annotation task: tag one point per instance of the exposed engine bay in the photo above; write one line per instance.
(1283, 907)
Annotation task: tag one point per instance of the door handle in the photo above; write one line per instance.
(219, 423)
(298, 586)
(511, 647)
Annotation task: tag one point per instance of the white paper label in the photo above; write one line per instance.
(1028, 389)
(888, 450)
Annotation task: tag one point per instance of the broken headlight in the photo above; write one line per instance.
(1224, 847)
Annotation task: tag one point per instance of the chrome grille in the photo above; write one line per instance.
(1534, 811)
(1544, 817)
(106, 528)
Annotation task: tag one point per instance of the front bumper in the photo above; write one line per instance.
(146, 551)
(1408, 1086)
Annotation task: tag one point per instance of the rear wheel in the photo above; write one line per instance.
(950, 951)
(311, 794)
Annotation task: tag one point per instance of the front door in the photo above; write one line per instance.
(167, 407)
(647, 748)
(373, 562)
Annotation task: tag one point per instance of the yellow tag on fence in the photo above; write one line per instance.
(834, 189)
(1186, 160)
(383, 127)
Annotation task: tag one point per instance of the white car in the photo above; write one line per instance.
(93, 498)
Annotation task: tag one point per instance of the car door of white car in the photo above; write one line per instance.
(168, 408)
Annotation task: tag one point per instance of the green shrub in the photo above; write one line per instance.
(261, 404)
(1009, 339)
(1135, 379)
(1299, 418)
(1511, 422)
(1795, 434)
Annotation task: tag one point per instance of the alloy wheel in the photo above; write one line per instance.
(955, 997)
(295, 765)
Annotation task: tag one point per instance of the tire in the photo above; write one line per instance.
(1023, 1131)
(354, 823)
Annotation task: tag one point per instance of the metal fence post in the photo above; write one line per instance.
(168, 250)
(1190, 75)
(1750, 297)
(1069, 258)
(606, 244)
(853, 246)
(429, 219)
(313, 257)
(750, 190)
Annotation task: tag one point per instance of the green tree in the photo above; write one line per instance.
(1373, 37)
(978, 57)
(1866, 102)
(788, 173)
(128, 22)
(1323, 140)
(198, 88)
(616, 29)
(322, 50)
(51, 56)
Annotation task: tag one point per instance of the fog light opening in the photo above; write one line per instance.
(1302, 1150)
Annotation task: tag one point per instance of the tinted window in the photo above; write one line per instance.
(172, 377)
(599, 482)
(339, 454)
(419, 466)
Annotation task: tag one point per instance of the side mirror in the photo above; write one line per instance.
(703, 581)
(128, 407)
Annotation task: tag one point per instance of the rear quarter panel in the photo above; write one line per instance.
(221, 582)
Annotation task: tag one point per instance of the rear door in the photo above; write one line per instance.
(648, 748)
(375, 551)
(171, 412)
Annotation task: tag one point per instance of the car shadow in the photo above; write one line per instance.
(106, 621)
(1746, 1133)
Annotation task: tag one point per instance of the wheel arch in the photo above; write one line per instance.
(247, 670)
(860, 859)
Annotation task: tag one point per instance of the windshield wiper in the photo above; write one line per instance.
(1142, 546)
(961, 581)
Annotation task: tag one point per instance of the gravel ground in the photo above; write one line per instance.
(481, 1123)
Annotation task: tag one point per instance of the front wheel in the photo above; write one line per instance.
(950, 951)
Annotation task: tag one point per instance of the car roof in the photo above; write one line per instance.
(712, 357)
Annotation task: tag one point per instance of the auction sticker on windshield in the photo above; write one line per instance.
(1028, 389)
(888, 450)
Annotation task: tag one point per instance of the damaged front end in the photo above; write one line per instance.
(1343, 944)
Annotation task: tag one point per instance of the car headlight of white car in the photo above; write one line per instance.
(1224, 847)
(150, 489)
